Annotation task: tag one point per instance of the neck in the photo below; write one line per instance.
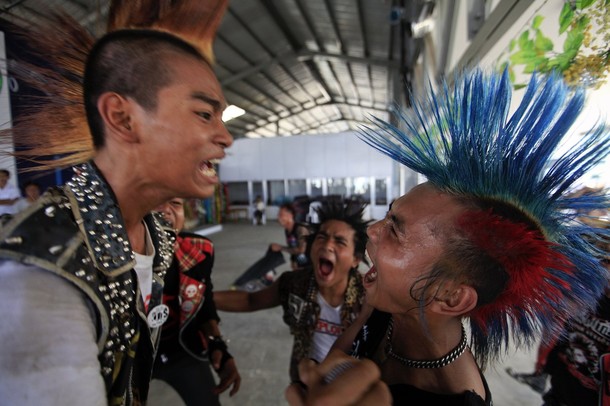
(334, 294)
(412, 340)
(135, 199)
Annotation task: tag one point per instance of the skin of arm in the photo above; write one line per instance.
(241, 301)
(229, 376)
(302, 233)
(359, 384)
(8, 202)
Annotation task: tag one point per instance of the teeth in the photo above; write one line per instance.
(215, 161)
(370, 277)
(209, 171)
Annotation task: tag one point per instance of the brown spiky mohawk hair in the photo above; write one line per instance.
(53, 132)
(195, 21)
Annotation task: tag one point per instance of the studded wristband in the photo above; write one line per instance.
(216, 343)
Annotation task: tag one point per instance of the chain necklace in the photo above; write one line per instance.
(436, 363)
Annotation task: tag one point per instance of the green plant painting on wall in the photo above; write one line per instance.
(585, 55)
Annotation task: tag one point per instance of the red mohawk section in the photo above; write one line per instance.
(526, 257)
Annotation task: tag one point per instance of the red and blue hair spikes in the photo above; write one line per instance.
(466, 142)
(537, 279)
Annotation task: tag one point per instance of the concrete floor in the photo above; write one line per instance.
(261, 342)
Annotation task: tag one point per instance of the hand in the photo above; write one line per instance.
(275, 247)
(228, 374)
(359, 384)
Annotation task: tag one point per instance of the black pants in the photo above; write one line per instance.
(191, 378)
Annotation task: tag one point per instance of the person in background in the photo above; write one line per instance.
(191, 341)
(81, 276)
(490, 237)
(31, 191)
(9, 194)
(573, 362)
(296, 237)
(320, 301)
(259, 210)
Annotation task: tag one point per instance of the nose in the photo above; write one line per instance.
(224, 138)
(329, 245)
(373, 230)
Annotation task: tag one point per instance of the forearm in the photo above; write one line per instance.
(241, 301)
(210, 328)
(8, 202)
(232, 301)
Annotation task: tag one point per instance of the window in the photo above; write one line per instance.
(297, 187)
(257, 189)
(317, 188)
(337, 186)
(381, 192)
(276, 195)
(361, 187)
(237, 192)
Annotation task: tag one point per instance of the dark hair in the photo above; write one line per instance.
(347, 211)
(133, 63)
(5, 171)
(289, 207)
(30, 183)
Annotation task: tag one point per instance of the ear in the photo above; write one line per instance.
(455, 301)
(116, 112)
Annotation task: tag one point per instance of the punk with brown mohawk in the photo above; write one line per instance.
(82, 271)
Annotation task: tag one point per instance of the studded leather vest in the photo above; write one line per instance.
(77, 232)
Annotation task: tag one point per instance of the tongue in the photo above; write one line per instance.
(325, 268)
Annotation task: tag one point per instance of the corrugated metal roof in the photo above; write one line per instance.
(296, 66)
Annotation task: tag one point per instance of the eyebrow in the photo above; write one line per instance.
(337, 237)
(216, 104)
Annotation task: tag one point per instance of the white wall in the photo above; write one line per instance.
(307, 157)
(302, 157)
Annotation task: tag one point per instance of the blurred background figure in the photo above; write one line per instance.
(296, 234)
(191, 341)
(259, 211)
(31, 192)
(9, 194)
(320, 301)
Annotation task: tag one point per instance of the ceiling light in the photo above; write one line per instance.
(232, 112)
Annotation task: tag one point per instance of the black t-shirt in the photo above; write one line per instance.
(573, 364)
(365, 345)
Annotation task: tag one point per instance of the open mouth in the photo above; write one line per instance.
(325, 267)
(207, 168)
(370, 276)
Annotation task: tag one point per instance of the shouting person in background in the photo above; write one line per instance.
(191, 341)
(320, 301)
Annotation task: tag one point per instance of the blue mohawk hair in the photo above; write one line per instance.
(463, 140)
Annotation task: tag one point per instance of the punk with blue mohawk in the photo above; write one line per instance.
(515, 258)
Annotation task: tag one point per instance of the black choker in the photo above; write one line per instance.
(436, 363)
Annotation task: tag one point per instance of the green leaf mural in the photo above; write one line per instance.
(584, 55)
